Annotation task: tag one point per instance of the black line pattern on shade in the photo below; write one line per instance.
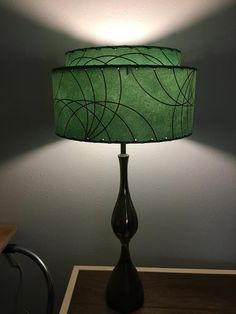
(97, 122)
(59, 85)
(66, 105)
(82, 92)
(72, 113)
(118, 104)
(94, 108)
(105, 103)
(82, 57)
(167, 57)
(158, 100)
(112, 58)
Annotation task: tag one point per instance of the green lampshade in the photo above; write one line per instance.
(124, 94)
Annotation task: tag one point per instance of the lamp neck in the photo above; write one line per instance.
(123, 159)
(123, 148)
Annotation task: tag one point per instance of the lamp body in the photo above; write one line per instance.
(124, 291)
(124, 94)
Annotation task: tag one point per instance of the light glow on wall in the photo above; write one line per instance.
(117, 22)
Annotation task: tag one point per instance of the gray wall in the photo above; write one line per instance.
(61, 193)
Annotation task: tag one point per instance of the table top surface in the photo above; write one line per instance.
(167, 291)
(7, 231)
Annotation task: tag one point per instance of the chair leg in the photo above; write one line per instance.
(13, 248)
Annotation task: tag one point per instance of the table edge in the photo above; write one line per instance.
(70, 288)
(11, 233)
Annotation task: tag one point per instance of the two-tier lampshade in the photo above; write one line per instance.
(124, 94)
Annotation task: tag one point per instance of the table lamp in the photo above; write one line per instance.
(124, 94)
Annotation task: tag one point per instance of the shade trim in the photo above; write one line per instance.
(121, 46)
(123, 142)
(117, 66)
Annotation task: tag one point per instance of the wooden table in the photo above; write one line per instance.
(7, 231)
(167, 291)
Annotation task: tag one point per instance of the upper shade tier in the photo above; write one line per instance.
(130, 55)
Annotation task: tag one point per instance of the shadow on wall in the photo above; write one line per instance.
(210, 46)
(28, 52)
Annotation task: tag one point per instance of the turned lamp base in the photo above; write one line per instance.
(124, 291)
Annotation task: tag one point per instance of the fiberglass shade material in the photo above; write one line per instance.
(133, 55)
(123, 103)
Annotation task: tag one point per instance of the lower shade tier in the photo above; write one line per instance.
(126, 104)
